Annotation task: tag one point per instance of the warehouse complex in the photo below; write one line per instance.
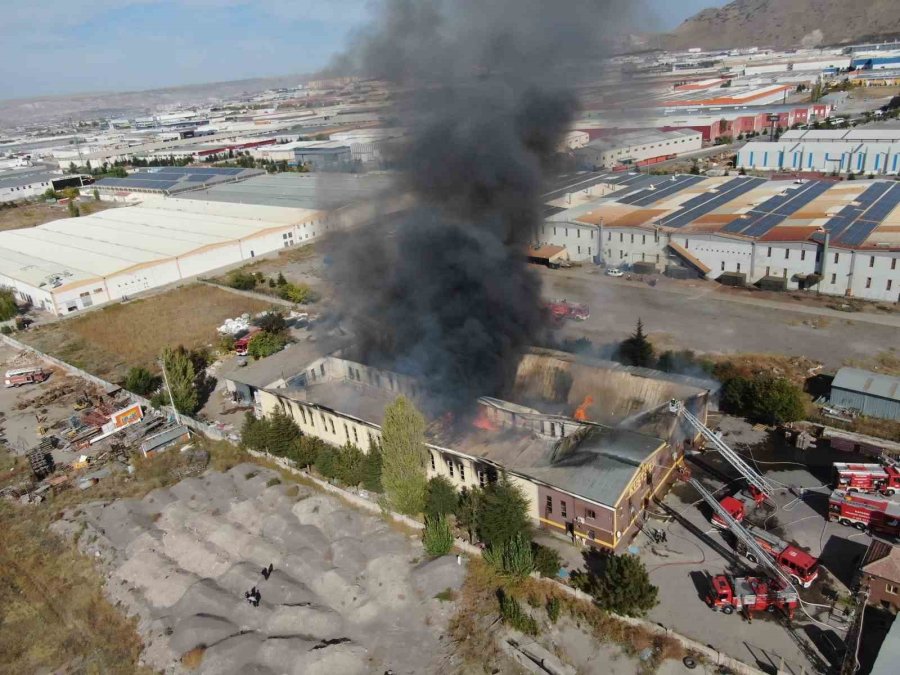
(631, 148)
(21, 185)
(868, 150)
(67, 265)
(170, 180)
(589, 443)
(840, 238)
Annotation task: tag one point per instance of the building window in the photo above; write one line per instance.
(578, 232)
(621, 237)
(802, 254)
(818, 256)
(450, 467)
(657, 258)
(332, 427)
(893, 263)
(609, 236)
(739, 267)
(643, 238)
(787, 253)
(837, 256)
(768, 270)
(302, 414)
(632, 238)
(589, 513)
(562, 510)
(355, 436)
(324, 422)
(723, 265)
(462, 472)
(834, 278)
(433, 467)
(554, 231)
(589, 250)
(621, 255)
(890, 588)
(872, 261)
(687, 243)
(579, 250)
(770, 252)
(868, 282)
(889, 284)
(548, 508)
(346, 432)
(322, 369)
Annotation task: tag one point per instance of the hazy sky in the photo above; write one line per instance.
(60, 47)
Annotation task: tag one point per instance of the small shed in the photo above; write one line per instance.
(872, 394)
(547, 254)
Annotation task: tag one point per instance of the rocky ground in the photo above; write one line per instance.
(348, 593)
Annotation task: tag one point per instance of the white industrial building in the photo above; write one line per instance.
(15, 186)
(874, 150)
(834, 237)
(67, 265)
(317, 155)
(637, 146)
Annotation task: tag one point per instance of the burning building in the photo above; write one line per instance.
(590, 443)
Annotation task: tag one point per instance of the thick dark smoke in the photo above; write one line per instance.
(486, 91)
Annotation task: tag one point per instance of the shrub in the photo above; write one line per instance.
(502, 513)
(446, 595)
(349, 465)
(553, 607)
(437, 537)
(6, 330)
(271, 322)
(326, 462)
(513, 558)
(372, 469)
(8, 306)
(241, 280)
(512, 614)
(762, 398)
(141, 381)
(273, 481)
(440, 497)
(622, 587)
(299, 293)
(547, 561)
(265, 344)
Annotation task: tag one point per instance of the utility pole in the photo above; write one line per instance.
(162, 362)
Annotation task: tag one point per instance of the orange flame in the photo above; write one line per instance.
(581, 411)
(483, 422)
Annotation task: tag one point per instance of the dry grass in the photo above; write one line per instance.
(108, 341)
(886, 362)
(795, 368)
(193, 658)
(31, 215)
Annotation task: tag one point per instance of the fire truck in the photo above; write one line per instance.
(866, 478)
(749, 595)
(561, 310)
(739, 505)
(875, 514)
(797, 563)
(241, 345)
(20, 376)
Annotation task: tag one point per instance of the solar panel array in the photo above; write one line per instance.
(629, 183)
(167, 177)
(771, 212)
(855, 222)
(662, 190)
(709, 201)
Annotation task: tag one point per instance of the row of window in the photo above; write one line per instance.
(565, 230)
(589, 514)
(458, 468)
(328, 422)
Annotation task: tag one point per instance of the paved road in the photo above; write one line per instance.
(700, 318)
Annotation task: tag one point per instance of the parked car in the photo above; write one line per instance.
(614, 272)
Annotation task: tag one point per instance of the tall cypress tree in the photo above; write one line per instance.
(404, 456)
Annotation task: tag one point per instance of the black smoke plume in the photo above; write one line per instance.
(485, 89)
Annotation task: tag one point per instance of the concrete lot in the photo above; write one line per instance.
(697, 316)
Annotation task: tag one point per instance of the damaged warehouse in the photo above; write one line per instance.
(589, 443)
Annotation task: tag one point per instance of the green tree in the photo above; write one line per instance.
(502, 513)
(636, 350)
(762, 398)
(8, 306)
(141, 381)
(299, 293)
(271, 322)
(404, 456)
(440, 497)
(372, 469)
(255, 433)
(350, 467)
(306, 450)
(547, 561)
(265, 344)
(467, 506)
(73, 168)
(96, 195)
(182, 379)
(283, 434)
(513, 558)
(281, 281)
(437, 537)
(326, 462)
(74, 211)
(622, 587)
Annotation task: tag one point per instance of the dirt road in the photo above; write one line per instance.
(701, 319)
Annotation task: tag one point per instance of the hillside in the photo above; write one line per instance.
(787, 23)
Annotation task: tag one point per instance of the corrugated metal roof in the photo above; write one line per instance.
(867, 382)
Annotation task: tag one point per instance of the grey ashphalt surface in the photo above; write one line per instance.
(347, 595)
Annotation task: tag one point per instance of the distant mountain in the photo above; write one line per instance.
(788, 23)
(50, 109)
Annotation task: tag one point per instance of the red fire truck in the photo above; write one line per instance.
(20, 376)
(242, 344)
(854, 477)
(749, 595)
(797, 563)
(876, 514)
(736, 507)
(561, 310)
